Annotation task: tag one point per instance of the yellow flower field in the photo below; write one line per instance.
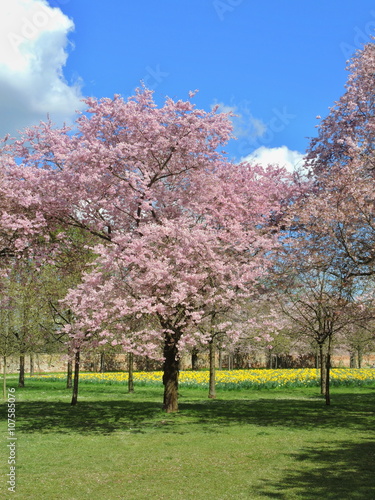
(233, 379)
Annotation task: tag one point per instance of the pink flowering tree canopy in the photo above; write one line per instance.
(181, 232)
(342, 164)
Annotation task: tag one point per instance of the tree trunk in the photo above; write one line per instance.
(230, 362)
(21, 378)
(130, 372)
(322, 370)
(76, 377)
(268, 359)
(102, 362)
(327, 385)
(212, 382)
(353, 361)
(171, 369)
(194, 359)
(359, 357)
(31, 364)
(5, 377)
(69, 375)
(220, 359)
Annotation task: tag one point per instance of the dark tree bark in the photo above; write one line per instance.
(322, 370)
(21, 378)
(76, 377)
(102, 362)
(359, 357)
(327, 381)
(212, 381)
(130, 372)
(194, 359)
(148, 364)
(171, 368)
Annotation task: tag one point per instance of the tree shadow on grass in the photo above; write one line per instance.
(350, 411)
(97, 417)
(354, 412)
(344, 472)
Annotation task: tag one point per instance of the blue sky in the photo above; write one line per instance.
(277, 64)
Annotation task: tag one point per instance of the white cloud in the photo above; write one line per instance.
(245, 125)
(33, 43)
(282, 156)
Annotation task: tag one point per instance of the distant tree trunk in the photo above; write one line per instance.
(322, 370)
(359, 357)
(148, 364)
(171, 368)
(230, 362)
(31, 364)
(220, 359)
(21, 378)
(4, 377)
(327, 381)
(130, 372)
(102, 362)
(76, 377)
(268, 358)
(194, 359)
(353, 361)
(69, 375)
(212, 382)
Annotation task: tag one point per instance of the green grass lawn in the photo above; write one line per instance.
(283, 444)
